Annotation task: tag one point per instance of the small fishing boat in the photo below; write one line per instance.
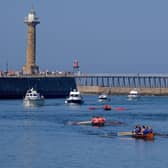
(103, 97)
(74, 97)
(32, 97)
(133, 94)
(98, 121)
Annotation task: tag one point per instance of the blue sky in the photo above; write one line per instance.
(106, 36)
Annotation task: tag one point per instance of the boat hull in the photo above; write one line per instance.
(28, 102)
(74, 101)
(103, 99)
(133, 97)
(98, 124)
(149, 136)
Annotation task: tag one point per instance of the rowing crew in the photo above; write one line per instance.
(98, 121)
(142, 130)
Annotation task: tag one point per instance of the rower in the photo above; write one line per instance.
(98, 121)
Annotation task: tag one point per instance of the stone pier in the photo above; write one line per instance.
(121, 91)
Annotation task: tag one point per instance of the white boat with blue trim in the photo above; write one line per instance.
(74, 97)
(133, 94)
(103, 97)
(33, 97)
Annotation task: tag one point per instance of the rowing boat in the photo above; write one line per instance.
(149, 136)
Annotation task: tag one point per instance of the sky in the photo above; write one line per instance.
(105, 36)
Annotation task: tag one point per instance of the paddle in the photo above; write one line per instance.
(124, 133)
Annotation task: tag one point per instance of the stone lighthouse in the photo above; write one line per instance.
(30, 67)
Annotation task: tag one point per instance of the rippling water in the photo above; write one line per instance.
(46, 136)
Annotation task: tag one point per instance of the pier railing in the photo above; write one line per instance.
(138, 80)
(123, 80)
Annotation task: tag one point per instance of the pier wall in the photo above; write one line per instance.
(49, 86)
(121, 91)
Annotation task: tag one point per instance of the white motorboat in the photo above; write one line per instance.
(32, 97)
(133, 94)
(103, 97)
(74, 97)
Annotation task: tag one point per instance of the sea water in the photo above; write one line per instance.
(47, 136)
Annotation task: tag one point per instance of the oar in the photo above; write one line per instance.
(114, 123)
(161, 134)
(79, 123)
(124, 133)
(119, 108)
(94, 108)
(83, 122)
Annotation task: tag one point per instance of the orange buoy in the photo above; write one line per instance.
(107, 107)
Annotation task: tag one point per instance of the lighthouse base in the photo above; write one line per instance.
(30, 69)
